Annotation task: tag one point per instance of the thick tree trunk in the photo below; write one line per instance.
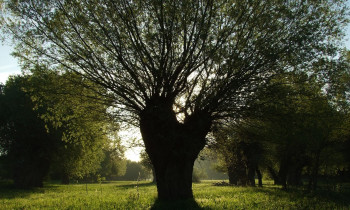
(258, 173)
(314, 172)
(284, 171)
(172, 146)
(294, 176)
(65, 178)
(237, 173)
(28, 173)
(282, 176)
(251, 175)
(174, 179)
(274, 176)
(232, 175)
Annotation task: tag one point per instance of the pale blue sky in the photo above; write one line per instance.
(8, 64)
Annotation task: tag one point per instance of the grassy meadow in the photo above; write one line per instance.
(142, 195)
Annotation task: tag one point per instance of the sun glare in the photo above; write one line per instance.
(132, 140)
(133, 154)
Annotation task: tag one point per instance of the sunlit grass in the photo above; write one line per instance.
(116, 195)
(130, 195)
(268, 197)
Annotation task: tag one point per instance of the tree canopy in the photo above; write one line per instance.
(290, 130)
(47, 127)
(203, 55)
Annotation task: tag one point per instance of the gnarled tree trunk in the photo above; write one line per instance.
(172, 146)
(251, 175)
(274, 175)
(232, 175)
(258, 173)
(65, 178)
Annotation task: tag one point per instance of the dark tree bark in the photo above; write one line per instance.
(294, 176)
(232, 176)
(241, 167)
(314, 173)
(258, 173)
(65, 178)
(274, 176)
(237, 171)
(282, 175)
(27, 174)
(251, 175)
(172, 146)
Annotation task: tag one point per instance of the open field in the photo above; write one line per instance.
(130, 195)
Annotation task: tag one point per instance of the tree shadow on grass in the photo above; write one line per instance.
(341, 198)
(337, 197)
(172, 205)
(9, 191)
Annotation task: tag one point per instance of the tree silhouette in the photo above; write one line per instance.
(174, 67)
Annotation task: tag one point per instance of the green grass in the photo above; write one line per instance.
(128, 195)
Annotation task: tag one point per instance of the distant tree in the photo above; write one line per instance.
(208, 162)
(288, 129)
(113, 164)
(198, 174)
(296, 124)
(239, 146)
(147, 163)
(135, 171)
(175, 67)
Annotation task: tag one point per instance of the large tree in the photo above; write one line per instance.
(174, 66)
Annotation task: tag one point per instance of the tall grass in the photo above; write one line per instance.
(143, 195)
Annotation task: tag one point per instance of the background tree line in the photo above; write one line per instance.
(53, 126)
(295, 130)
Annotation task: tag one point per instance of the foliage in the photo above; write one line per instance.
(144, 49)
(77, 114)
(240, 151)
(49, 123)
(26, 148)
(289, 129)
(147, 163)
(135, 171)
(305, 121)
(207, 163)
(338, 80)
(198, 174)
(113, 164)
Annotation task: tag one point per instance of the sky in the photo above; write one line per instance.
(9, 66)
